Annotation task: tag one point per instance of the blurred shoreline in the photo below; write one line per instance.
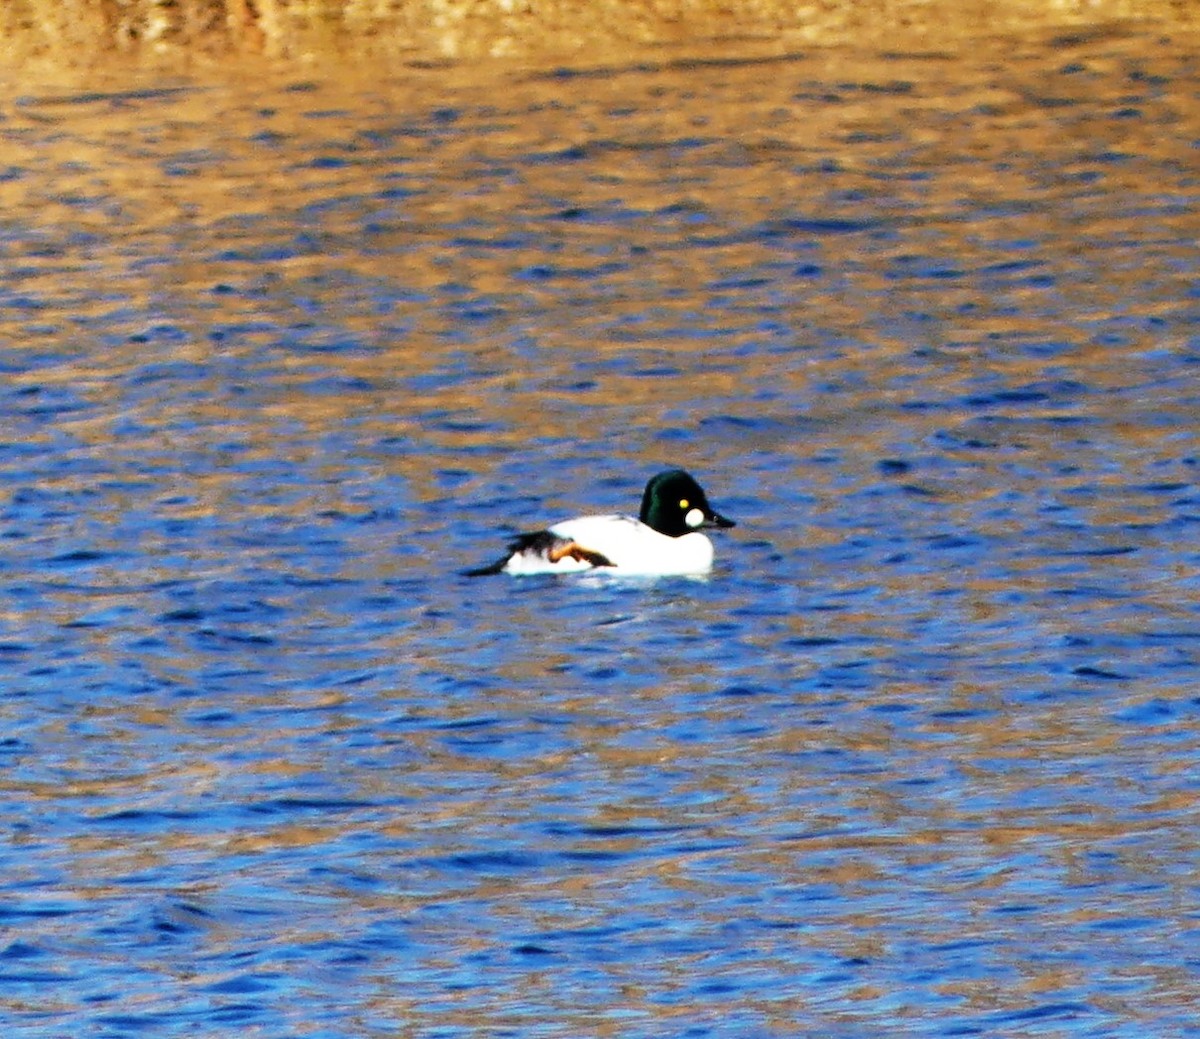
(181, 35)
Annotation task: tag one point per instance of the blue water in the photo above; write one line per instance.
(919, 758)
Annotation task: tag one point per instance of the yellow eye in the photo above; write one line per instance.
(683, 503)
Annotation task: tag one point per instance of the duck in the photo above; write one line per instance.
(665, 539)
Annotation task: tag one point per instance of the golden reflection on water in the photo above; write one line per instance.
(109, 172)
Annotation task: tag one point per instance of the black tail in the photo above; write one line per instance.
(492, 568)
(517, 544)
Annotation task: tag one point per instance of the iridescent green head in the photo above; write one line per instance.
(674, 504)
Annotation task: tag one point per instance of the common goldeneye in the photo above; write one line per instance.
(664, 539)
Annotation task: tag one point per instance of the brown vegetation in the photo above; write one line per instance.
(76, 30)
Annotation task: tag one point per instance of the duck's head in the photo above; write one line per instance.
(674, 504)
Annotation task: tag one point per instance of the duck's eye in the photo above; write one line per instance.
(683, 503)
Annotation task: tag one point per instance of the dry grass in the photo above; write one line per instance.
(75, 30)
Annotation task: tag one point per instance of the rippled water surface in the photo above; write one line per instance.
(280, 358)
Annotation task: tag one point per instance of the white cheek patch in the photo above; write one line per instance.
(694, 517)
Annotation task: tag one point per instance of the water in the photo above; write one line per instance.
(283, 357)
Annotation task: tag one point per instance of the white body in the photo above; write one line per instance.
(631, 546)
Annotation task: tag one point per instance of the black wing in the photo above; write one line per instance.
(541, 543)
